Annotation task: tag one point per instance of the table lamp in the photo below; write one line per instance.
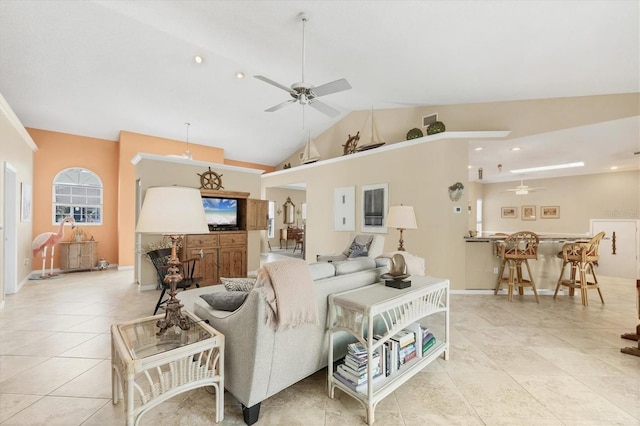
(401, 217)
(172, 211)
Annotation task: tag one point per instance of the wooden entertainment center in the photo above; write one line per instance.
(223, 253)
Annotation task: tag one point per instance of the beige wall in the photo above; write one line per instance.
(162, 171)
(580, 198)
(16, 149)
(522, 118)
(418, 175)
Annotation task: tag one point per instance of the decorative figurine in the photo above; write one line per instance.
(50, 239)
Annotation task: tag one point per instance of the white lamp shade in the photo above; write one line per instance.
(401, 217)
(172, 210)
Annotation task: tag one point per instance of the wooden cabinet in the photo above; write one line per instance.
(222, 254)
(78, 256)
(257, 215)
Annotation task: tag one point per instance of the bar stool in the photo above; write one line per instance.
(515, 250)
(581, 257)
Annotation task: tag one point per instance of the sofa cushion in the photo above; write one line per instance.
(321, 270)
(225, 300)
(238, 284)
(354, 265)
(359, 250)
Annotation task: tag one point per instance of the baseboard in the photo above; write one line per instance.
(543, 291)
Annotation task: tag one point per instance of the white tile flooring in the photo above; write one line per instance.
(519, 363)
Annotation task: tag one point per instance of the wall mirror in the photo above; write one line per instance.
(289, 211)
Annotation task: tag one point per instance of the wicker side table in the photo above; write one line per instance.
(150, 369)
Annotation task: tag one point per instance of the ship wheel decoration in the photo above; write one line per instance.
(352, 143)
(210, 180)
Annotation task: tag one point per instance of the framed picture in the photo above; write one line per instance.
(509, 212)
(375, 204)
(550, 212)
(25, 206)
(344, 208)
(528, 212)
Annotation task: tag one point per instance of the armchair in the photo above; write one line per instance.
(373, 243)
(159, 258)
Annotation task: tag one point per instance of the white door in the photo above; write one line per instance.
(624, 263)
(10, 243)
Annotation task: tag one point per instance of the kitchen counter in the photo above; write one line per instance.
(482, 263)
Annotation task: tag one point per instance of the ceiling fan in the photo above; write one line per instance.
(523, 189)
(306, 93)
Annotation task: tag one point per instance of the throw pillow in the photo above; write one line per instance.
(358, 250)
(225, 301)
(238, 284)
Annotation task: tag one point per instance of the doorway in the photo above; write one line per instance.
(623, 261)
(10, 243)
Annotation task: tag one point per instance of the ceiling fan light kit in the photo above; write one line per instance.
(305, 93)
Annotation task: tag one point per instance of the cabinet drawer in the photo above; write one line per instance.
(202, 240)
(233, 239)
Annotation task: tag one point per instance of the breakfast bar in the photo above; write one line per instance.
(482, 263)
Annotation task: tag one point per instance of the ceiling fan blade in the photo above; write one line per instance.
(324, 108)
(280, 106)
(273, 83)
(333, 87)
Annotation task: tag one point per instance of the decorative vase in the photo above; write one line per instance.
(78, 238)
(435, 127)
(414, 133)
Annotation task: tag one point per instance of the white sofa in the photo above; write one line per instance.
(260, 362)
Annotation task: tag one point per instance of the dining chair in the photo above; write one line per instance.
(160, 259)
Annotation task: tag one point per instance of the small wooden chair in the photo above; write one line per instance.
(299, 241)
(160, 259)
(515, 250)
(581, 257)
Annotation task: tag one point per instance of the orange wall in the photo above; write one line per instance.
(111, 161)
(59, 151)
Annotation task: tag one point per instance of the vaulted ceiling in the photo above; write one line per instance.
(94, 68)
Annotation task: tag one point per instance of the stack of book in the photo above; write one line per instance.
(424, 338)
(353, 372)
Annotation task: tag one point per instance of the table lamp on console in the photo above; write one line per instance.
(401, 217)
(172, 211)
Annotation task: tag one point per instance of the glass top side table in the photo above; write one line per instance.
(150, 369)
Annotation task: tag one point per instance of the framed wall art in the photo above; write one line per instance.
(375, 204)
(344, 208)
(25, 206)
(528, 212)
(550, 212)
(509, 212)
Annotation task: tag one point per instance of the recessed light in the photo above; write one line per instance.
(239, 75)
(613, 168)
(198, 59)
(516, 148)
(479, 148)
(469, 167)
(553, 167)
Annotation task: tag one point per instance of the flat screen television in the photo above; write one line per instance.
(220, 212)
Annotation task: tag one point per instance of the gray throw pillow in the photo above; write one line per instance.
(238, 284)
(358, 250)
(225, 301)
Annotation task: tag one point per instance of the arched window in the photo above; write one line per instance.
(77, 192)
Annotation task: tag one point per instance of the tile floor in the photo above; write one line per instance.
(519, 363)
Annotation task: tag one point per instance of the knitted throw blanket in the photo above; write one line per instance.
(290, 293)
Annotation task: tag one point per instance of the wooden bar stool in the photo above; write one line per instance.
(581, 257)
(515, 250)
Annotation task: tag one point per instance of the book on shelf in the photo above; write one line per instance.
(404, 337)
(357, 348)
(355, 378)
(428, 344)
(422, 336)
(362, 387)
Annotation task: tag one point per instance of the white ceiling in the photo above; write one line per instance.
(94, 68)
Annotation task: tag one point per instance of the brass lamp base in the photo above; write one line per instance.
(173, 317)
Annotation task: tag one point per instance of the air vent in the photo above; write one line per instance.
(429, 119)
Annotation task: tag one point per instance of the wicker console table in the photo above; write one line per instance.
(150, 369)
(356, 312)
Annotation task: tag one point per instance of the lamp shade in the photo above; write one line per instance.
(172, 210)
(401, 217)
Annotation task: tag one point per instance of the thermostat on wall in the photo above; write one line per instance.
(457, 209)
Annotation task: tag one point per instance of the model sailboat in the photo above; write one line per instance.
(375, 136)
(310, 154)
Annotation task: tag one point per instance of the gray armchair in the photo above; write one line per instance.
(374, 246)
